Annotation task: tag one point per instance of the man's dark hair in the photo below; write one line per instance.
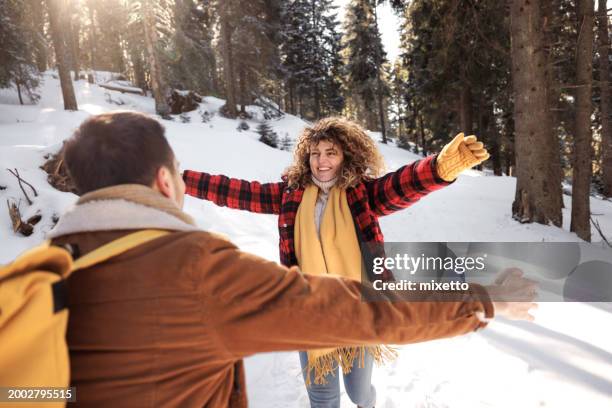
(117, 148)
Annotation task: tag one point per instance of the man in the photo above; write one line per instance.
(168, 323)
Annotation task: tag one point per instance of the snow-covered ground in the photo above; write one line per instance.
(564, 359)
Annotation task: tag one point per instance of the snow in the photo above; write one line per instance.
(564, 359)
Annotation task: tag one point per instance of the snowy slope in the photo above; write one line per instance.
(563, 360)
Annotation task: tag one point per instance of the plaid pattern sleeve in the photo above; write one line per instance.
(402, 188)
(235, 193)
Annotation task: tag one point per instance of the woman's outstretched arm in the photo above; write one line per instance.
(235, 193)
(407, 185)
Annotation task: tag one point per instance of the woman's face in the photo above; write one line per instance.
(325, 160)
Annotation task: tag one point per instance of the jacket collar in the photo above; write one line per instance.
(125, 207)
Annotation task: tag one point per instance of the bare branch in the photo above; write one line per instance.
(20, 180)
(28, 184)
(598, 228)
(21, 186)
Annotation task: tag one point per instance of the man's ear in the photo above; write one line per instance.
(163, 182)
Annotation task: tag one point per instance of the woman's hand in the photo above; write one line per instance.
(460, 154)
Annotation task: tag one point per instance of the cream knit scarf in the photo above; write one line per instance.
(336, 252)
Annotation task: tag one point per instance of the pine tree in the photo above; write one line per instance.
(74, 28)
(581, 175)
(152, 13)
(57, 12)
(111, 19)
(255, 46)
(17, 51)
(537, 189)
(192, 61)
(398, 106)
(227, 10)
(458, 61)
(35, 11)
(267, 135)
(365, 59)
(605, 109)
(311, 57)
(136, 48)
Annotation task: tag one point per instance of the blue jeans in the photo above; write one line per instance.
(358, 385)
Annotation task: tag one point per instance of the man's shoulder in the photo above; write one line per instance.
(193, 241)
(202, 240)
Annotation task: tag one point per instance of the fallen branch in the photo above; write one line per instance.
(130, 90)
(598, 228)
(28, 184)
(18, 225)
(20, 180)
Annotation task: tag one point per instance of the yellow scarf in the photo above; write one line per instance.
(337, 252)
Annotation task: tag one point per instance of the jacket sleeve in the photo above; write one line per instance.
(235, 193)
(256, 306)
(402, 188)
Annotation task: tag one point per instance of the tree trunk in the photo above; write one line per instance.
(493, 139)
(300, 105)
(465, 114)
(292, 100)
(38, 19)
(552, 148)
(508, 143)
(581, 179)
(243, 96)
(482, 128)
(400, 117)
(214, 78)
(228, 65)
(509, 166)
(75, 26)
(604, 104)
(536, 186)
(158, 85)
(139, 72)
(381, 107)
(18, 84)
(317, 102)
(56, 9)
(118, 60)
(93, 40)
(381, 110)
(422, 132)
(413, 125)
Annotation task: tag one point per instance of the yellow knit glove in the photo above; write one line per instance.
(460, 154)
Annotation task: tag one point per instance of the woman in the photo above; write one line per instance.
(328, 204)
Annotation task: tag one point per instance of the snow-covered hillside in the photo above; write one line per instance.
(564, 359)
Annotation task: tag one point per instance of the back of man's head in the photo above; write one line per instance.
(117, 148)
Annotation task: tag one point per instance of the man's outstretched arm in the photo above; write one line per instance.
(258, 306)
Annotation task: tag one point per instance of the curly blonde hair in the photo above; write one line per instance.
(362, 160)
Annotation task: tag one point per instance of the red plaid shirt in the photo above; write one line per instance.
(367, 201)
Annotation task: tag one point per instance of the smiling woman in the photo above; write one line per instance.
(334, 148)
(325, 160)
(328, 205)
